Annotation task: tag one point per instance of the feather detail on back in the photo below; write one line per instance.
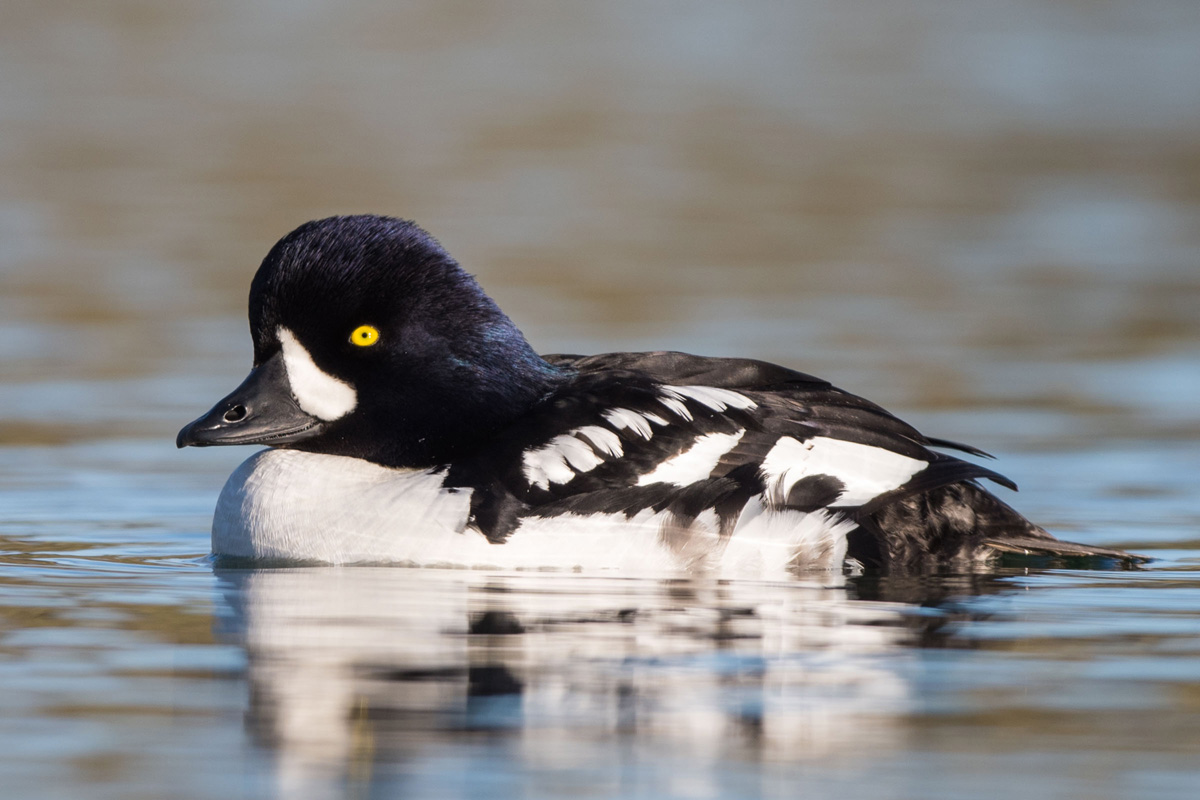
(723, 438)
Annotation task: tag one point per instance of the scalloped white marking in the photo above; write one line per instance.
(676, 405)
(604, 440)
(711, 396)
(559, 461)
(622, 418)
(696, 463)
(866, 471)
(318, 393)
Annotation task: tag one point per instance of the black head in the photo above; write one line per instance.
(385, 347)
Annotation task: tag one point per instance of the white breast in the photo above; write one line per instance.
(286, 504)
(292, 505)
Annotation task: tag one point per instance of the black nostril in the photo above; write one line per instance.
(235, 414)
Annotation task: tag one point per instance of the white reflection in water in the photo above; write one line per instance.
(358, 672)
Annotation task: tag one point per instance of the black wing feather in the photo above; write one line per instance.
(940, 513)
(787, 403)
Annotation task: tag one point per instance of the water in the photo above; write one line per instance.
(984, 218)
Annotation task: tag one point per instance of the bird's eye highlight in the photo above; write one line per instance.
(364, 335)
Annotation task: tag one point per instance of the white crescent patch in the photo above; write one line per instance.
(316, 391)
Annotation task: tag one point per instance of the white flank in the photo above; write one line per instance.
(695, 463)
(622, 418)
(288, 504)
(711, 396)
(630, 545)
(559, 461)
(772, 543)
(866, 471)
(317, 392)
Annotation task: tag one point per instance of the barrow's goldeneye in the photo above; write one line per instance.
(411, 422)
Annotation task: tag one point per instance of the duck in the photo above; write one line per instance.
(407, 420)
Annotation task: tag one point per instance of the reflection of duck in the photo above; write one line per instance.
(421, 427)
(392, 672)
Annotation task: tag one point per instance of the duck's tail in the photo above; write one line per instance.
(1030, 546)
(958, 525)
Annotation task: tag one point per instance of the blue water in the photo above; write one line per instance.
(131, 663)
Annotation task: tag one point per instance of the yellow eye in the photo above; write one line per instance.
(365, 335)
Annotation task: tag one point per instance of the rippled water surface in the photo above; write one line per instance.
(985, 217)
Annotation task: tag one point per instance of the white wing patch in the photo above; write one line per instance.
(622, 418)
(676, 406)
(865, 471)
(711, 396)
(636, 421)
(655, 418)
(559, 461)
(584, 449)
(567, 455)
(602, 439)
(316, 391)
(696, 463)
